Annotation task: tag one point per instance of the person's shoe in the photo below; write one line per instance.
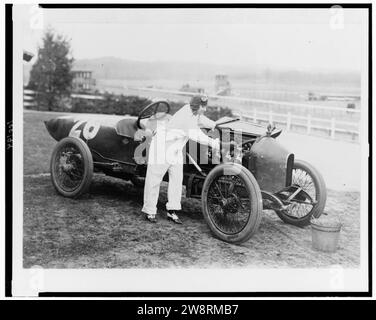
(171, 215)
(151, 218)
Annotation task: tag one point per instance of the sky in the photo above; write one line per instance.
(302, 39)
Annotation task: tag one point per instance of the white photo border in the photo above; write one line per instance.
(192, 282)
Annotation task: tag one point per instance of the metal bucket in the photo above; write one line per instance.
(325, 238)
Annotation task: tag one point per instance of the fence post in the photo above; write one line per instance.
(288, 123)
(309, 124)
(254, 116)
(28, 97)
(333, 128)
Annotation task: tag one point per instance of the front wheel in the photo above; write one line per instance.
(71, 167)
(232, 203)
(310, 202)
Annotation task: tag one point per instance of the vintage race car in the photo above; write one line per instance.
(234, 187)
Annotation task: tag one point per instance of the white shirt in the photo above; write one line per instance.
(185, 125)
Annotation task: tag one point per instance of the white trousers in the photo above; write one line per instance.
(154, 176)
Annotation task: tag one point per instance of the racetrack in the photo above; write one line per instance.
(104, 229)
(338, 161)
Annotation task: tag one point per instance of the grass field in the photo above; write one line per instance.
(104, 228)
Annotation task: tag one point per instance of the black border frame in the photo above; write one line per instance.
(9, 152)
(9, 156)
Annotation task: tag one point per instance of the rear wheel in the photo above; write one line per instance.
(71, 167)
(232, 203)
(308, 203)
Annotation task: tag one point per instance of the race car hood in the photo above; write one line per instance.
(247, 128)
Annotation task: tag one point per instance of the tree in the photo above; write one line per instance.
(51, 75)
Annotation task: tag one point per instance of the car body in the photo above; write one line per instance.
(234, 186)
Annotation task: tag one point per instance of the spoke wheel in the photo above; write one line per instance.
(308, 202)
(71, 167)
(232, 203)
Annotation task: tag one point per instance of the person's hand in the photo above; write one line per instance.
(141, 135)
(215, 148)
(215, 144)
(227, 151)
(148, 133)
(228, 144)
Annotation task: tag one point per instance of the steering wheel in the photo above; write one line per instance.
(152, 110)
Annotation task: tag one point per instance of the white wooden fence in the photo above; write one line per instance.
(312, 119)
(28, 98)
(334, 123)
(332, 127)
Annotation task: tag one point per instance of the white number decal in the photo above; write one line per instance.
(74, 132)
(89, 131)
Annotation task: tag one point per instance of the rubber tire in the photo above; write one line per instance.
(255, 198)
(320, 196)
(88, 167)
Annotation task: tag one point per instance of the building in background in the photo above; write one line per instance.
(83, 80)
(28, 95)
(27, 65)
(222, 85)
(188, 88)
(27, 56)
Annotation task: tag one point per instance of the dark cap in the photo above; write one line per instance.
(197, 101)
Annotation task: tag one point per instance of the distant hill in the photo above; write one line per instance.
(117, 68)
(123, 69)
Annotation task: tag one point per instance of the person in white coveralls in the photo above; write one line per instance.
(165, 154)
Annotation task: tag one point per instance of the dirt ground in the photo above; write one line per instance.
(104, 228)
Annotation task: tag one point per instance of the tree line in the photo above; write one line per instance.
(51, 78)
